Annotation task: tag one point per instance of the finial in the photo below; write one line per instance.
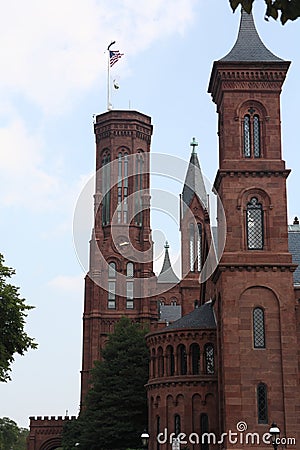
(194, 144)
(167, 245)
(296, 221)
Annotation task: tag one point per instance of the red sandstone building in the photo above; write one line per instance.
(224, 351)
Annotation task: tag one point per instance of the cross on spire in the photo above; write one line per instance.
(194, 144)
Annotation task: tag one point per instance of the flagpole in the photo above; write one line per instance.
(108, 74)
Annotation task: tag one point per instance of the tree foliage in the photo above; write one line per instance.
(115, 411)
(286, 9)
(13, 311)
(11, 436)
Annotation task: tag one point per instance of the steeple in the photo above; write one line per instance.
(167, 275)
(249, 46)
(194, 183)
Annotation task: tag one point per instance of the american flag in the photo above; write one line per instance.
(114, 56)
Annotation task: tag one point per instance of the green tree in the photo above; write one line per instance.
(13, 311)
(11, 436)
(287, 9)
(115, 411)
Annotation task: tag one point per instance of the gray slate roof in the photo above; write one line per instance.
(249, 46)
(169, 313)
(202, 317)
(167, 274)
(294, 248)
(194, 184)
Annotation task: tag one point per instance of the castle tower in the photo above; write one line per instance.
(119, 279)
(254, 282)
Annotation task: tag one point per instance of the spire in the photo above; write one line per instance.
(194, 183)
(167, 275)
(249, 47)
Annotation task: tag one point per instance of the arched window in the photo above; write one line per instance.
(177, 424)
(182, 359)
(129, 285)
(251, 135)
(209, 359)
(262, 403)
(106, 188)
(122, 207)
(247, 139)
(195, 247)
(170, 361)
(259, 340)
(255, 225)
(157, 432)
(204, 426)
(192, 246)
(160, 361)
(139, 171)
(195, 354)
(256, 136)
(111, 285)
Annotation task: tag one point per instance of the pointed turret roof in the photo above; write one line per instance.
(202, 317)
(249, 47)
(194, 183)
(167, 274)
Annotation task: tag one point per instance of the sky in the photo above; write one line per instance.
(53, 80)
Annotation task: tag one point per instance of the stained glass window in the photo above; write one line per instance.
(255, 234)
(259, 328)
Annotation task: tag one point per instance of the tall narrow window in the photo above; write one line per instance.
(195, 353)
(177, 424)
(157, 432)
(259, 339)
(262, 403)
(204, 431)
(199, 248)
(122, 208)
(129, 285)
(182, 359)
(254, 225)
(106, 188)
(170, 361)
(160, 361)
(247, 138)
(256, 136)
(192, 246)
(139, 166)
(111, 285)
(209, 359)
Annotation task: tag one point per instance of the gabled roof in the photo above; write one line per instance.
(294, 248)
(194, 184)
(202, 317)
(249, 47)
(167, 274)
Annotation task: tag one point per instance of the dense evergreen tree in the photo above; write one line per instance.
(13, 312)
(287, 9)
(115, 412)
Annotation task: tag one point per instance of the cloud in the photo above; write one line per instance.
(52, 51)
(68, 284)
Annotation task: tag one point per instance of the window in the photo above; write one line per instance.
(139, 166)
(259, 328)
(106, 188)
(177, 424)
(129, 286)
(122, 208)
(262, 403)
(182, 360)
(160, 359)
(157, 431)
(112, 285)
(192, 247)
(170, 361)
(209, 359)
(251, 135)
(204, 429)
(195, 247)
(195, 352)
(254, 225)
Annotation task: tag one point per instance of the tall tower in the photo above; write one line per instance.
(254, 281)
(120, 275)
